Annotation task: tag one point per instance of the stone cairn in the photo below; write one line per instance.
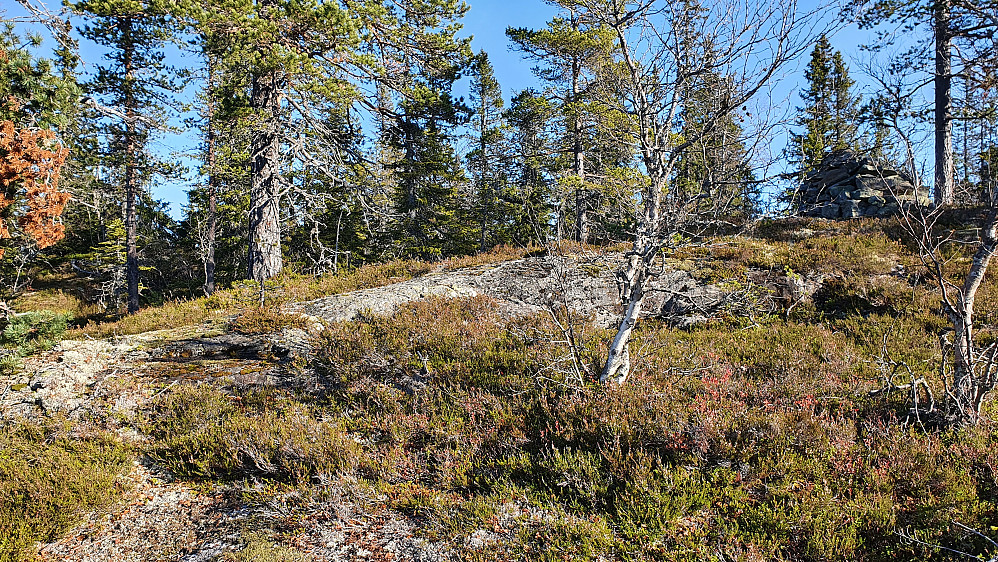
(847, 185)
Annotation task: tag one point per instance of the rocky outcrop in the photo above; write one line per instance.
(847, 185)
(532, 285)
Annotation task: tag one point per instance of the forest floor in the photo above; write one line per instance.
(450, 411)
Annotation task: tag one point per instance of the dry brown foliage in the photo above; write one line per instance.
(30, 162)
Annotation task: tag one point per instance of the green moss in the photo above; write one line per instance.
(259, 549)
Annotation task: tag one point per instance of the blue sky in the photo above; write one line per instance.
(486, 21)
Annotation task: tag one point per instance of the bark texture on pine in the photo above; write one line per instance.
(212, 229)
(943, 111)
(265, 259)
(131, 173)
(579, 160)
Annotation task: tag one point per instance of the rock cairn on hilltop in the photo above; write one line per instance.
(847, 185)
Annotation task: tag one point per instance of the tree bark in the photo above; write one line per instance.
(212, 230)
(131, 175)
(943, 104)
(970, 385)
(579, 159)
(632, 282)
(485, 196)
(265, 260)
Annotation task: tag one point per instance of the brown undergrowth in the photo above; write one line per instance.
(729, 443)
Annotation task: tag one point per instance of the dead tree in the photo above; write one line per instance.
(664, 49)
(969, 374)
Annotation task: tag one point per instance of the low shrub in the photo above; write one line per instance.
(28, 333)
(49, 479)
(202, 432)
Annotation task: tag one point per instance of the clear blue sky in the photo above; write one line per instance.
(486, 21)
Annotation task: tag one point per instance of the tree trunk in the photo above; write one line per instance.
(131, 225)
(212, 231)
(131, 175)
(632, 285)
(970, 383)
(485, 196)
(209, 161)
(943, 104)
(265, 260)
(579, 160)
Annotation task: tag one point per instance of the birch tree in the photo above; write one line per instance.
(660, 48)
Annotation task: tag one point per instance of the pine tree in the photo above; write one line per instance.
(37, 106)
(290, 55)
(570, 48)
(33, 94)
(958, 37)
(131, 84)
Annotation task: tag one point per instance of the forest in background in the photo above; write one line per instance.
(332, 134)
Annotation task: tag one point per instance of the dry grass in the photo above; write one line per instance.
(732, 440)
(739, 441)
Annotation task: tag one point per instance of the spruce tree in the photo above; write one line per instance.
(532, 167)
(829, 116)
(485, 161)
(434, 220)
(131, 86)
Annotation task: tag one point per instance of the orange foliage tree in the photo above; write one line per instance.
(30, 162)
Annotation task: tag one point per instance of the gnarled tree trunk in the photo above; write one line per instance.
(973, 372)
(265, 259)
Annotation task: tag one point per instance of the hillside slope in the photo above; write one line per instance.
(446, 416)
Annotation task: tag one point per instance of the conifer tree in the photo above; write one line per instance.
(717, 164)
(531, 166)
(420, 58)
(485, 161)
(959, 37)
(291, 55)
(131, 85)
(571, 50)
(433, 221)
(36, 108)
(830, 113)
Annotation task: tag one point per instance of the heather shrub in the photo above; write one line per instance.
(732, 439)
(764, 447)
(49, 479)
(203, 432)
